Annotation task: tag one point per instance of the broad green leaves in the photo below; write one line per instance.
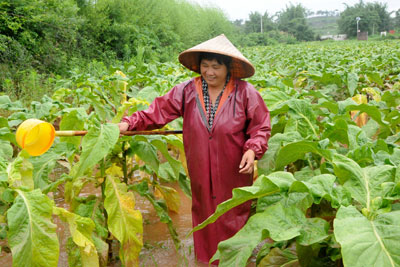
(352, 81)
(44, 164)
(364, 184)
(368, 242)
(283, 220)
(20, 173)
(32, 235)
(262, 187)
(95, 146)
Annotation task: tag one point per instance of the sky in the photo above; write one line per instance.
(240, 9)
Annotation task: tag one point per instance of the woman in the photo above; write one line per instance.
(226, 126)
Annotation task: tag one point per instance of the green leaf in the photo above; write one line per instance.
(330, 105)
(95, 146)
(372, 111)
(44, 164)
(357, 137)
(6, 150)
(274, 98)
(267, 163)
(124, 222)
(337, 132)
(262, 187)
(236, 250)
(392, 98)
(321, 187)
(295, 151)
(90, 208)
(32, 235)
(283, 221)
(283, 180)
(20, 173)
(146, 152)
(314, 230)
(352, 81)
(364, 184)
(375, 77)
(81, 229)
(161, 144)
(278, 257)
(5, 102)
(368, 242)
(302, 113)
(72, 121)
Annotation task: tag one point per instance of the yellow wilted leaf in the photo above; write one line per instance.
(300, 82)
(182, 159)
(360, 99)
(360, 119)
(115, 171)
(255, 174)
(81, 229)
(372, 92)
(124, 222)
(171, 197)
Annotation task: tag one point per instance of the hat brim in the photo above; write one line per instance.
(240, 67)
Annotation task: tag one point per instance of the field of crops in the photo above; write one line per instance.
(327, 191)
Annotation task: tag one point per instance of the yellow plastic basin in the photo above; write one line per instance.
(35, 136)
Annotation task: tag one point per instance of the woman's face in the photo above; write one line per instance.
(213, 72)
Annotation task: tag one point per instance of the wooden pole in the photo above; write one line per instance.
(127, 133)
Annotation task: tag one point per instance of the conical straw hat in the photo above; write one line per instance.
(240, 67)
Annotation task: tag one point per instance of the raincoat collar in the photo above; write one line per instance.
(200, 100)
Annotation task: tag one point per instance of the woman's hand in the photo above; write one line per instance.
(247, 164)
(123, 126)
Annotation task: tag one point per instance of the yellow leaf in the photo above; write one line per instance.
(171, 197)
(115, 171)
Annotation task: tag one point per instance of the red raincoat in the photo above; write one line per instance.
(213, 156)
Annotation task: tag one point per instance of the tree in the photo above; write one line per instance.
(254, 23)
(397, 19)
(374, 18)
(293, 21)
(46, 38)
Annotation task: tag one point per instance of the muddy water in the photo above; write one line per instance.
(159, 249)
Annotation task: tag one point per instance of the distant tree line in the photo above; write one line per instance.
(374, 18)
(55, 35)
(290, 24)
(287, 26)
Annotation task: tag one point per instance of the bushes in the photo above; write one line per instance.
(267, 38)
(54, 36)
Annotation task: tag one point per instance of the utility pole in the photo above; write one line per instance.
(358, 19)
(261, 24)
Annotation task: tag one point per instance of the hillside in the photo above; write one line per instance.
(324, 25)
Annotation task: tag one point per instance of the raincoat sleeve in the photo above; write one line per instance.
(162, 110)
(259, 125)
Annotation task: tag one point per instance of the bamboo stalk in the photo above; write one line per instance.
(127, 133)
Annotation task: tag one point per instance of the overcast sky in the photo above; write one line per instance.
(240, 9)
